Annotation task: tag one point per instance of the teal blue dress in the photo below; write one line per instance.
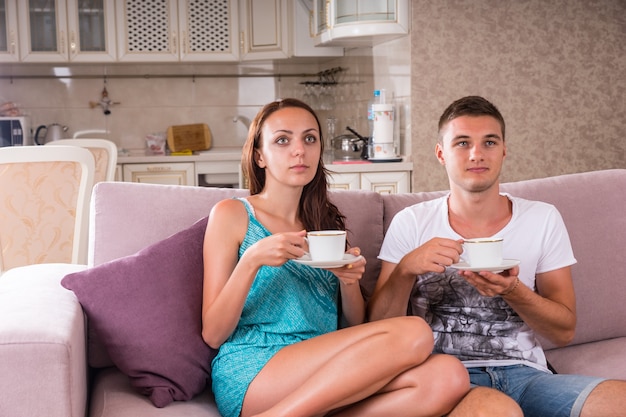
(285, 305)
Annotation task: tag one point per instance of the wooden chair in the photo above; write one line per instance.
(44, 204)
(104, 152)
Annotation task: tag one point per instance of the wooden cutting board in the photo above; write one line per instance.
(195, 137)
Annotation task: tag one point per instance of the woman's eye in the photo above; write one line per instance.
(282, 140)
(311, 139)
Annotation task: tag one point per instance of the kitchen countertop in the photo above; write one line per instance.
(138, 156)
(366, 166)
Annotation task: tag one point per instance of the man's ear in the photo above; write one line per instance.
(439, 153)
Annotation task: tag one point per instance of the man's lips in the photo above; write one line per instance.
(477, 169)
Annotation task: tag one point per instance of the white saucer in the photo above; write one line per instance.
(506, 264)
(347, 259)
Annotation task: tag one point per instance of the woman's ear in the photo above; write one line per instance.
(259, 159)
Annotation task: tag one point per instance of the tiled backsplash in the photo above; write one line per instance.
(153, 97)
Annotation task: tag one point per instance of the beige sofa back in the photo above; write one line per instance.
(130, 216)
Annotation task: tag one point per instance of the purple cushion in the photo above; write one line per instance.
(146, 310)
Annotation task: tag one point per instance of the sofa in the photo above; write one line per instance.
(54, 363)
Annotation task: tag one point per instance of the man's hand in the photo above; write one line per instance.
(433, 256)
(490, 284)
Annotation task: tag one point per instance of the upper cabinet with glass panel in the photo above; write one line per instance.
(66, 30)
(360, 22)
(9, 51)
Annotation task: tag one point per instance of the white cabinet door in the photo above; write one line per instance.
(344, 181)
(356, 23)
(177, 173)
(386, 182)
(66, 30)
(177, 30)
(91, 31)
(147, 30)
(383, 182)
(264, 29)
(9, 47)
(208, 30)
(43, 31)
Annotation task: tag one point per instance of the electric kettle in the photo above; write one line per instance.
(53, 131)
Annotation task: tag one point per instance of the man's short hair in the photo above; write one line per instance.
(470, 106)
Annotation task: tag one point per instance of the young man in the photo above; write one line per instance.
(487, 319)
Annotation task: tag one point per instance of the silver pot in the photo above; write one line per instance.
(348, 147)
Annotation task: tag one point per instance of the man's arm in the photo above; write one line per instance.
(551, 311)
(395, 282)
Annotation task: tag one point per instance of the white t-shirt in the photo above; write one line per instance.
(480, 331)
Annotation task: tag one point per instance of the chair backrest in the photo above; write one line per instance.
(91, 133)
(44, 204)
(104, 152)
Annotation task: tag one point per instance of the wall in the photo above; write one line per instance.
(152, 97)
(556, 70)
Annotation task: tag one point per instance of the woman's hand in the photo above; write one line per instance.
(277, 249)
(353, 272)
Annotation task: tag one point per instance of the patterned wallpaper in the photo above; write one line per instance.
(555, 69)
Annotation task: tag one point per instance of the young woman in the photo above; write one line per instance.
(275, 320)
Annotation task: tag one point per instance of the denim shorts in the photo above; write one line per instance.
(539, 394)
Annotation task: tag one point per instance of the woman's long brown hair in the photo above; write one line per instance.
(314, 210)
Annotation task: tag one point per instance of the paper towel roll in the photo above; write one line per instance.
(383, 123)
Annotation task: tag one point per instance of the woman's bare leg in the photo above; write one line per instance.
(432, 388)
(315, 376)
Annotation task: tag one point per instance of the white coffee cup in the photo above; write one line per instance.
(483, 252)
(327, 245)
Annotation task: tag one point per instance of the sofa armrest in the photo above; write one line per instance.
(42, 344)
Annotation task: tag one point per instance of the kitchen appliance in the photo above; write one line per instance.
(53, 131)
(15, 131)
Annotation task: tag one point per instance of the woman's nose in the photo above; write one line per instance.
(298, 148)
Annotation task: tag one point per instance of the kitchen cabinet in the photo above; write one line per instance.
(9, 51)
(217, 167)
(173, 173)
(177, 30)
(66, 31)
(303, 33)
(389, 178)
(355, 23)
(264, 29)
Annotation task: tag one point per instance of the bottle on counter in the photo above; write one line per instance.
(370, 113)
